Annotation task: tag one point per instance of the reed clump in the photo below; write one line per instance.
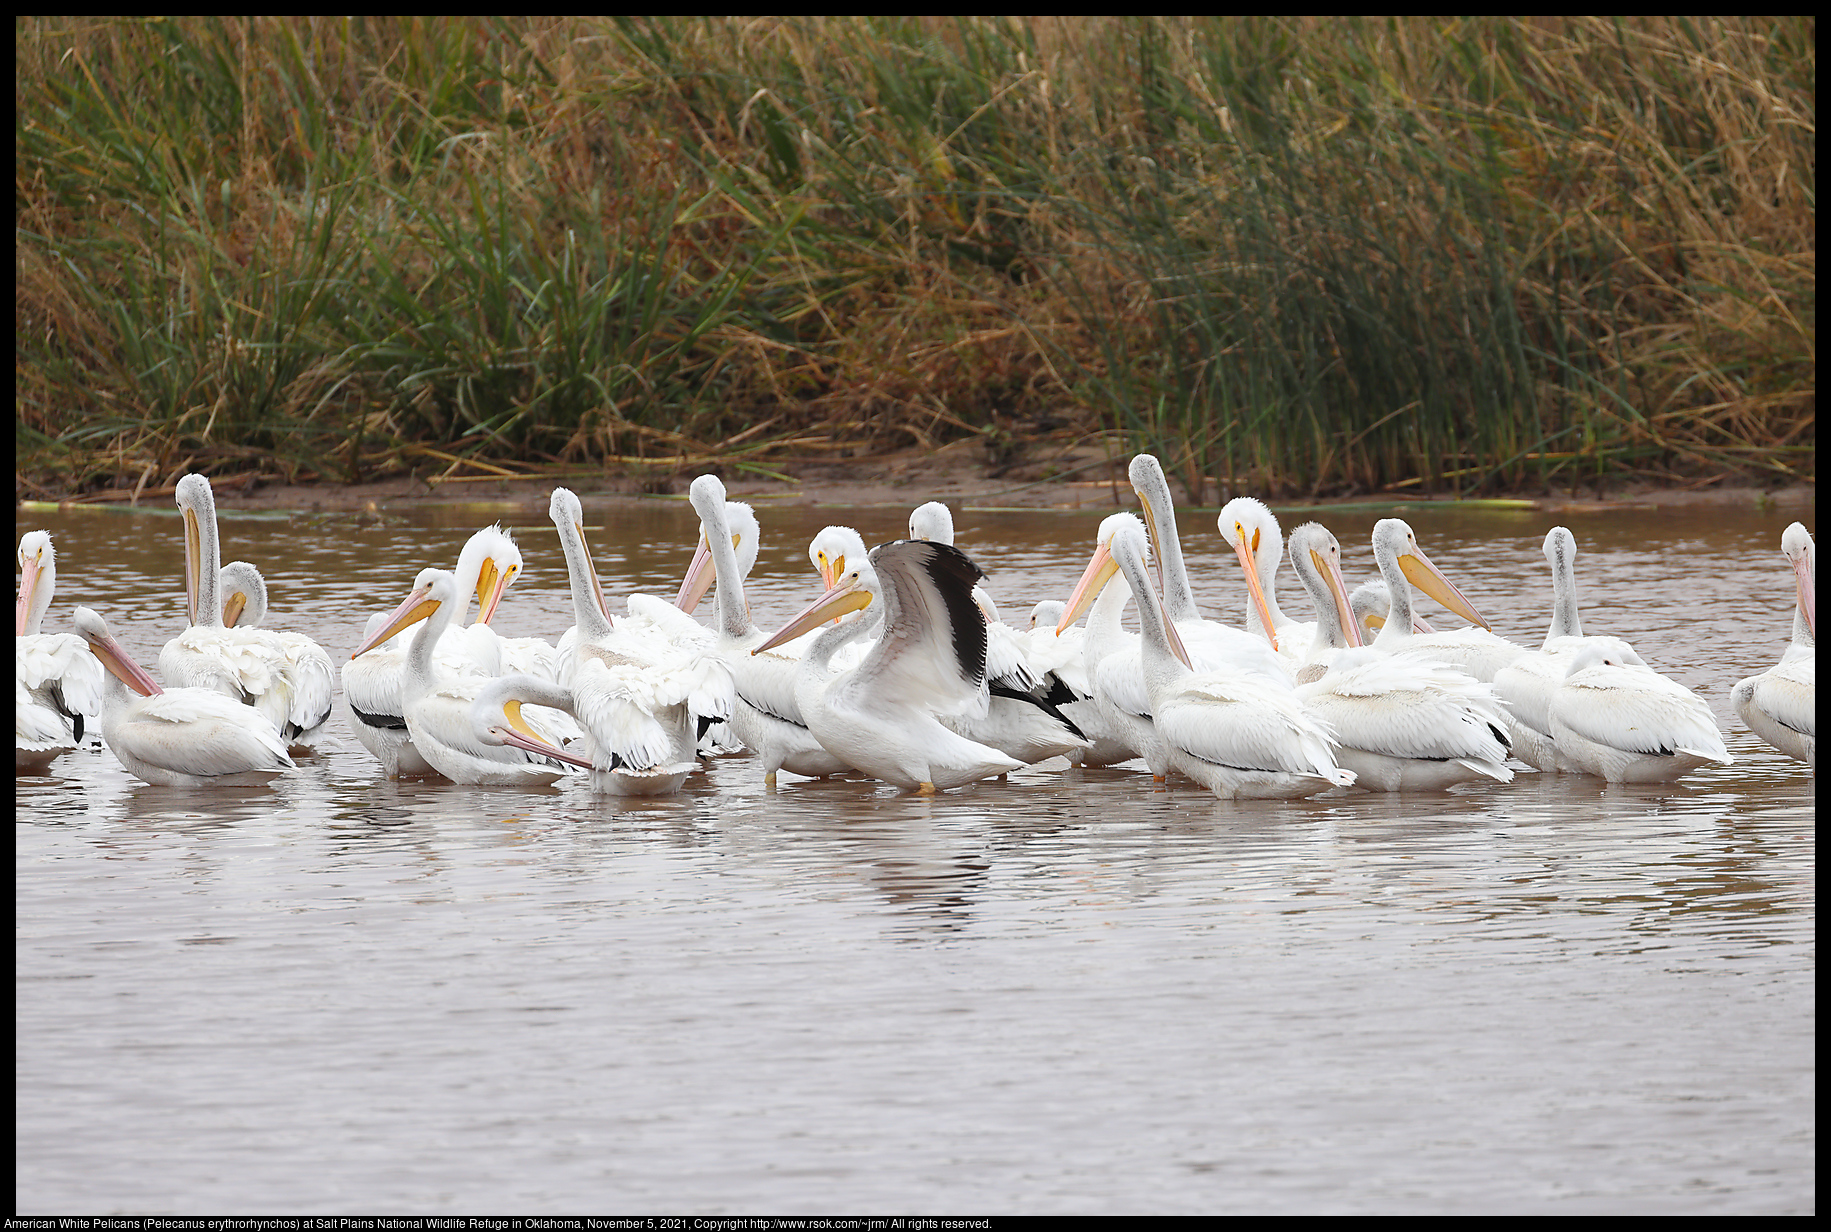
(1287, 255)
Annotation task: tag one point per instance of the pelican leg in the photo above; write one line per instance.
(926, 789)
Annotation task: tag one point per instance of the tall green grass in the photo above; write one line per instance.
(1287, 255)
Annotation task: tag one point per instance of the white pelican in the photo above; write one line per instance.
(1112, 659)
(1209, 642)
(56, 681)
(1252, 531)
(654, 631)
(244, 597)
(1058, 653)
(1004, 649)
(1403, 725)
(1023, 717)
(487, 566)
(1403, 564)
(437, 706)
(764, 713)
(1371, 604)
(1239, 734)
(1780, 704)
(249, 665)
(372, 687)
(373, 684)
(1617, 718)
(497, 721)
(1529, 682)
(642, 702)
(883, 715)
(185, 737)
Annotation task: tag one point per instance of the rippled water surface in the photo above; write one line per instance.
(1069, 992)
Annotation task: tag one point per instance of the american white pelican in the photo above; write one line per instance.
(1209, 642)
(372, 691)
(1004, 649)
(1403, 725)
(373, 683)
(249, 665)
(497, 721)
(1528, 683)
(883, 715)
(1023, 717)
(244, 597)
(1780, 704)
(1617, 718)
(56, 681)
(764, 713)
(185, 737)
(487, 566)
(1112, 659)
(1403, 564)
(437, 707)
(1239, 734)
(642, 702)
(1252, 531)
(1371, 604)
(1058, 653)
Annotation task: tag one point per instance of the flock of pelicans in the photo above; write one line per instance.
(901, 670)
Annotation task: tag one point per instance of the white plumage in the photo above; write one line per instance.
(1239, 734)
(1530, 681)
(57, 683)
(1209, 642)
(764, 712)
(1403, 564)
(183, 737)
(1617, 718)
(303, 661)
(248, 665)
(640, 700)
(1252, 531)
(1780, 705)
(1404, 724)
(884, 715)
(437, 707)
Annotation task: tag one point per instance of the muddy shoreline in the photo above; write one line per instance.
(960, 477)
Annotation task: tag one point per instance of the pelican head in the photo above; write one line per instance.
(244, 594)
(1047, 613)
(1252, 531)
(733, 518)
(202, 554)
(1100, 567)
(433, 590)
(1127, 547)
(829, 551)
(487, 567)
(37, 580)
(1797, 546)
(568, 517)
(496, 718)
(854, 590)
(1401, 560)
(1316, 552)
(932, 521)
(1371, 604)
(94, 630)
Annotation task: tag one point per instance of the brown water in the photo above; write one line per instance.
(1069, 992)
